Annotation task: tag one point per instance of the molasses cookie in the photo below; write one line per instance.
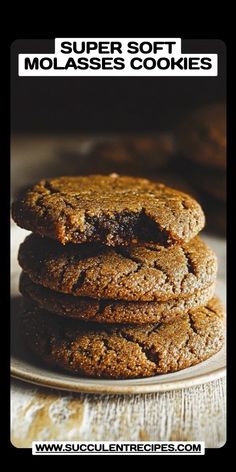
(112, 210)
(109, 311)
(144, 273)
(124, 351)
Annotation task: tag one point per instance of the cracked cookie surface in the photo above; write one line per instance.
(112, 210)
(109, 311)
(147, 272)
(125, 351)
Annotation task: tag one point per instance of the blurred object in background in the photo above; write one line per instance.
(210, 181)
(131, 155)
(40, 157)
(202, 136)
(215, 212)
(201, 152)
(145, 156)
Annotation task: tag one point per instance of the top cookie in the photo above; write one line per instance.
(112, 210)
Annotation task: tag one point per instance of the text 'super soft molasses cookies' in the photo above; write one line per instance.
(125, 351)
(137, 273)
(112, 210)
(111, 311)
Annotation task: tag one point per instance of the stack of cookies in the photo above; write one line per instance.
(116, 282)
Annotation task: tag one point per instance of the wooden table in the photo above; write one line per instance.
(197, 413)
(192, 414)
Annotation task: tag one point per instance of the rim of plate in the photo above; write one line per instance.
(80, 385)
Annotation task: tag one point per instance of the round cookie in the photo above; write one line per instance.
(109, 311)
(124, 351)
(110, 209)
(138, 273)
(202, 137)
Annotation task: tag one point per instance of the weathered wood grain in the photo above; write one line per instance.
(197, 413)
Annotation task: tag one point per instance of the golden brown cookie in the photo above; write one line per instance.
(137, 273)
(120, 352)
(109, 311)
(111, 209)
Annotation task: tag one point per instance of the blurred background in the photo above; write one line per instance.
(168, 129)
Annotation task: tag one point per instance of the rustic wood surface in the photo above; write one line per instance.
(191, 414)
(37, 413)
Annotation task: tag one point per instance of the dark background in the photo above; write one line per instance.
(52, 105)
